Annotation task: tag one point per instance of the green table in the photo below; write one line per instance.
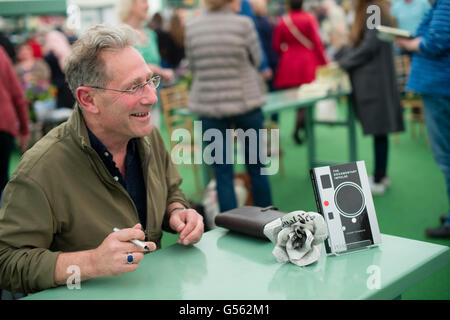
(226, 265)
(288, 99)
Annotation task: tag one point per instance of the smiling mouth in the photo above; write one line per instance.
(140, 114)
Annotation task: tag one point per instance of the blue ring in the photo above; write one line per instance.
(130, 259)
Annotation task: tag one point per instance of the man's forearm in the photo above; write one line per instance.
(80, 259)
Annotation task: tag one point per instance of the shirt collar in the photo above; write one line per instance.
(100, 148)
(79, 129)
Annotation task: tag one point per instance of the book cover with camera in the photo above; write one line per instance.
(344, 199)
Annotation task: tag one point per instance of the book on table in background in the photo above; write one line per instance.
(330, 79)
(388, 33)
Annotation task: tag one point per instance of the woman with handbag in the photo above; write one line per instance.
(297, 41)
(224, 54)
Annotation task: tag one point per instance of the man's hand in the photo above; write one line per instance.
(168, 75)
(267, 74)
(408, 44)
(24, 139)
(110, 258)
(189, 224)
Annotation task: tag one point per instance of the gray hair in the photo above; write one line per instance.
(85, 65)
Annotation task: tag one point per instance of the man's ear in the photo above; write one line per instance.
(85, 97)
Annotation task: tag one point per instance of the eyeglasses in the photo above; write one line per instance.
(137, 89)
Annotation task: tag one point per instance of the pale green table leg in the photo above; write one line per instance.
(310, 138)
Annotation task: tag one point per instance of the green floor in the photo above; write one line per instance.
(415, 200)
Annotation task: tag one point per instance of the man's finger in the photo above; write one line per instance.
(195, 235)
(150, 245)
(176, 223)
(128, 246)
(193, 229)
(129, 234)
(137, 257)
(191, 223)
(138, 226)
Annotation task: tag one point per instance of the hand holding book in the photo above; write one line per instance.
(408, 44)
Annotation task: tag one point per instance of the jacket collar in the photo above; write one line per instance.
(77, 126)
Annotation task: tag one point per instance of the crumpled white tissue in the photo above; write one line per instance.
(298, 237)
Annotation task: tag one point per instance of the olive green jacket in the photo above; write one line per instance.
(61, 198)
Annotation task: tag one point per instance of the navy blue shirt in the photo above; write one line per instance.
(134, 184)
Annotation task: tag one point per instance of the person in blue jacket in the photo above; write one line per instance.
(246, 10)
(265, 31)
(430, 77)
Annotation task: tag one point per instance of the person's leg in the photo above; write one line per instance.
(274, 117)
(437, 120)
(379, 181)
(381, 155)
(260, 183)
(6, 148)
(223, 171)
(299, 124)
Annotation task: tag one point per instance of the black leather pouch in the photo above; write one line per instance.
(249, 220)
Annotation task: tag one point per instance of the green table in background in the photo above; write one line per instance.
(279, 101)
(229, 266)
(289, 99)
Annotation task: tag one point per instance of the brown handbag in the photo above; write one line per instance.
(249, 220)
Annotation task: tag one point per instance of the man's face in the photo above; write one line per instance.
(126, 115)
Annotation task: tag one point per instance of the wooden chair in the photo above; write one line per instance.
(409, 100)
(173, 98)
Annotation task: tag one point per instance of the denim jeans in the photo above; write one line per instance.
(437, 119)
(224, 171)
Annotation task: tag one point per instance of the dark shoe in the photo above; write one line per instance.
(439, 232)
(297, 138)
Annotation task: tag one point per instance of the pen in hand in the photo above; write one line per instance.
(136, 242)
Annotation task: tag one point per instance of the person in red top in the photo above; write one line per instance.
(36, 47)
(297, 41)
(14, 115)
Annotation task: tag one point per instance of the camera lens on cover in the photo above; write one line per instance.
(349, 199)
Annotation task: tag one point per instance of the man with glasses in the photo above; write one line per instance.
(105, 168)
